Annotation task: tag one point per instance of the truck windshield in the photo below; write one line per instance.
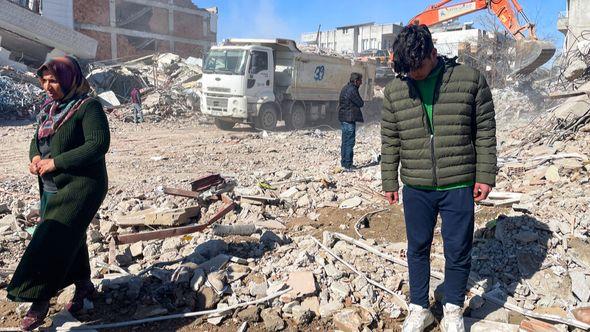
(225, 62)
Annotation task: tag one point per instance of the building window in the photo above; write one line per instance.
(364, 44)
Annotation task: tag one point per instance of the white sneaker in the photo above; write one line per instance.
(453, 319)
(418, 319)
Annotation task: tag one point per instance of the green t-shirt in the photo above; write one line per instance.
(427, 88)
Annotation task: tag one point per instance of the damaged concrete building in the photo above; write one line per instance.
(27, 37)
(451, 39)
(574, 22)
(104, 29)
(354, 39)
(131, 28)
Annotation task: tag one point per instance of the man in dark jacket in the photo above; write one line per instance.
(438, 123)
(349, 113)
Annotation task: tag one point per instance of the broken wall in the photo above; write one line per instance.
(145, 21)
(91, 11)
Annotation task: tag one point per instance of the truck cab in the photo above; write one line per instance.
(236, 81)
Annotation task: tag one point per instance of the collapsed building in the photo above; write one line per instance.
(103, 29)
(574, 24)
(132, 28)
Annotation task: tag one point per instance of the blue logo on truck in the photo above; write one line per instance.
(319, 73)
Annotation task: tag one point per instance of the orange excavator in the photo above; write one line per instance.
(531, 53)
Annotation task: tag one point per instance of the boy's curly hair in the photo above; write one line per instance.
(411, 47)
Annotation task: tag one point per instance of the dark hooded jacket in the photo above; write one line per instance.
(349, 109)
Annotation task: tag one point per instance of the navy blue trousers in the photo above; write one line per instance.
(421, 208)
(348, 141)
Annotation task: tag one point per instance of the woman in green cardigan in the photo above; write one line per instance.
(68, 156)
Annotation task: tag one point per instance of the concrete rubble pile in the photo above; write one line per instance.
(574, 63)
(168, 83)
(295, 241)
(213, 270)
(19, 94)
(535, 255)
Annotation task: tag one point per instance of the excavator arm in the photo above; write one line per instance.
(530, 52)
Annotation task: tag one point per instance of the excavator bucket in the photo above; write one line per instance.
(530, 55)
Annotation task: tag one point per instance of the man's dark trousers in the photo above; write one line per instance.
(348, 141)
(421, 208)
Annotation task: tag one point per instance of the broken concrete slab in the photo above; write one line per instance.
(64, 321)
(269, 224)
(272, 320)
(302, 282)
(491, 312)
(552, 174)
(302, 316)
(237, 272)
(211, 248)
(543, 281)
(109, 99)
(207, 298)
(36, 28)
(340, 290)
(159, 217)
(214, 264)
(136, 249)
(353, 319)
(289, 193)
(575, 70)
(313, 304)
(580, 251)
(329, 308)
(580, 285)
(477, 325)
(198, 279)
(351, 203)
(216, 319)
(250, 314)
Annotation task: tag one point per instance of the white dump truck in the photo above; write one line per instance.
(260, 82)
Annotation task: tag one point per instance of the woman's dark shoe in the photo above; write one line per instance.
(84, 290)
(35, 316)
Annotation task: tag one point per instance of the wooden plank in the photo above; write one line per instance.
(181, 192)
(566, 94)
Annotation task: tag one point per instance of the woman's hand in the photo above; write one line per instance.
(46, 166)
(33, 166)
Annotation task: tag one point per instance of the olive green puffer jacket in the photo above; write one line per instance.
(463, 146)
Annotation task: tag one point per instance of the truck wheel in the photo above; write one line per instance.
(224, 125)
(295, 119)
(267, 118)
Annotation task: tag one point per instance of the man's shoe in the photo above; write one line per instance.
(418, 319)
(453, 319)
(84, 290)
(35, 316)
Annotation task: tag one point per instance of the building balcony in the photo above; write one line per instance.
(563, 22)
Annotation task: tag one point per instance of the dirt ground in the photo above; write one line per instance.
(143, 157)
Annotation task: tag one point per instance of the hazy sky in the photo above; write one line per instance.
(289, 18)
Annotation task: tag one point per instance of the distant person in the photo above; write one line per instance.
(136, 101)
(67, 156)
(349, 113)
(438, 124)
